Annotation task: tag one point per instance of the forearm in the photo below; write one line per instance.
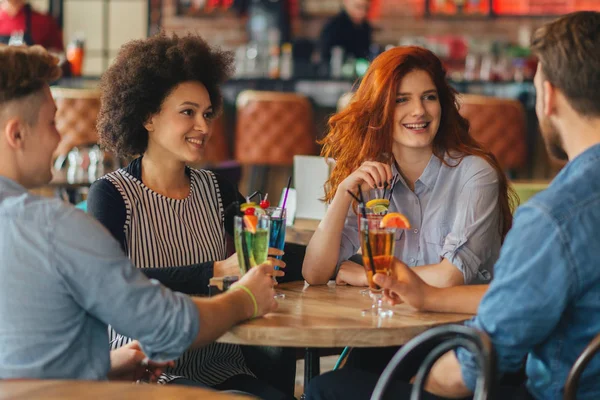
(323, 250)
(218, 314)
(457, 299)
(441, 275)
(190, 279)
(445, 378)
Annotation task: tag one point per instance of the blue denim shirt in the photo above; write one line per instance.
(544, 301)
(63, 280)
(453, 212)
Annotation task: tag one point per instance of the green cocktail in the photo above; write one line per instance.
(251, 239)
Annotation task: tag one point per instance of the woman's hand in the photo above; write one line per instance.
(351, 273)
(129, 363)
(370, 175)
(273, 252)
(227, 267)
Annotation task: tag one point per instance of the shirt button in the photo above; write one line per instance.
(416, 231)
(412, 260)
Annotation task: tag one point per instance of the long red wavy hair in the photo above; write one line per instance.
(363, 131)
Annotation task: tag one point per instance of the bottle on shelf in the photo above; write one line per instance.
(287, 63)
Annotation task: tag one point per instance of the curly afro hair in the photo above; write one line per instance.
(144, 73)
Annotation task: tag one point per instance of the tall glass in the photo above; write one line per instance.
(277, 236)
(380, 242)
(255, 243)
(375, 219)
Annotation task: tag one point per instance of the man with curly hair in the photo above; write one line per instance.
(64, 278)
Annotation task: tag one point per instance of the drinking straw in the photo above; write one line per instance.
(245, 251)
(385, 185)
(354, 196)
(252, 195)
(287, 190)
(393, 185)
(367, 238)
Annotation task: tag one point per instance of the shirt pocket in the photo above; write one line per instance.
(399, 236)
(433, 241)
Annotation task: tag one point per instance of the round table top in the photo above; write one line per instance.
(87, 390)
(330, 316)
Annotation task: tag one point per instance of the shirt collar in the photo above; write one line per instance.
(11, 186)
(589, 155)
(429, 175)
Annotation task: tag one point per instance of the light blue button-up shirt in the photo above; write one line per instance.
(454, 214)
(544, 301)
(63, 279)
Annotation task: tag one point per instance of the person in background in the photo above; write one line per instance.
(349, 30)
(542, 305)
(37, 28)
(64, 278)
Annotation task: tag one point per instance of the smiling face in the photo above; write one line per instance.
(183, 126)
(418, 111)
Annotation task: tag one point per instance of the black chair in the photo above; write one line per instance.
(575, 373)
(435, 342)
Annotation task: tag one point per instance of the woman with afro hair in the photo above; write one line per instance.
(159, 99)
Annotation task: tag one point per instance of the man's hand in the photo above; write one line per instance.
(403, 286)
(231, 265)
(129, 363)
(258, 280)
(351, 273)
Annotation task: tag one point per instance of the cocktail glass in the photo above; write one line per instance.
(277, 235)
(375, 218)
(251, 247)
(378, 255)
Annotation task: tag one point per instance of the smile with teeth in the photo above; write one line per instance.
(417, 126)
(197, 141)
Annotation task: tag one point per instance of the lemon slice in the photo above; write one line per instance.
(378, 202)
(379, 209)
(244, 206)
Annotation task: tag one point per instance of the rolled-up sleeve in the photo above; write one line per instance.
(101, 279)
(350, 240)
(528, 295)
(476, 228)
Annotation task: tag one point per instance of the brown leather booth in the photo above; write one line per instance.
(273, 127)
(76, 115)
(499, 125)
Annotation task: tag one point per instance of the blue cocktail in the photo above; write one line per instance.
(277, 233)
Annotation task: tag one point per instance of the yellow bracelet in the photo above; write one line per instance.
(245, 289)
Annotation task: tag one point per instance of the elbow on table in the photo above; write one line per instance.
(313, 276)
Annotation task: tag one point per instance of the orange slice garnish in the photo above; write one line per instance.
(250, 222)
(394, 220)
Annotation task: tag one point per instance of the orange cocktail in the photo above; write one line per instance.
(377, 242)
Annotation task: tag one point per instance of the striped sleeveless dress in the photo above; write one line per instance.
(165, 232)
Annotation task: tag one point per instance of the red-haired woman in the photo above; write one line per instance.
(403, 124)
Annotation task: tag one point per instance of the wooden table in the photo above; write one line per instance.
(301, 231)
(330, 316)
(88, 390)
